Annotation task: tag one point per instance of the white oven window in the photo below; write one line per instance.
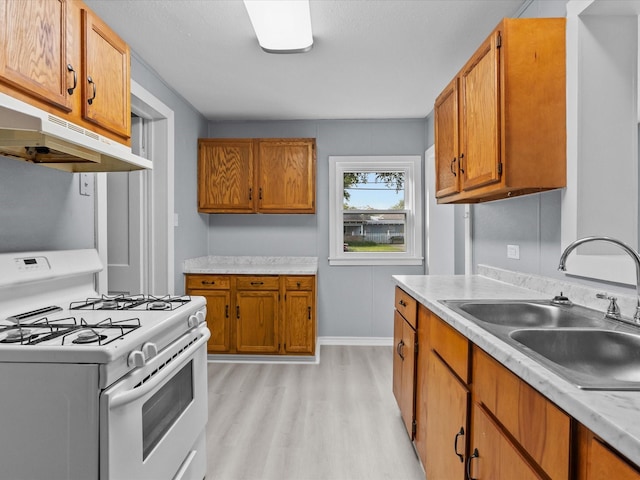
(162, 410)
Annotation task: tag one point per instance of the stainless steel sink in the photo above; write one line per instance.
(524, 314)
(576, 342)
(601, 358)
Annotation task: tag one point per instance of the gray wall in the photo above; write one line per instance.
(352, 301)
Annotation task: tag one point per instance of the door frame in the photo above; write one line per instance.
(158, 256)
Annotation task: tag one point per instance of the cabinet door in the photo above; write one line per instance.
(398, 323)
(106, 91)
(605, 464)
(257, 322)
(493, 457)
(298, 322)
(286, 176)
(447, 426)
(218, 319)
(479, 93)
(33, 49)
(225, 176)
(446, 141)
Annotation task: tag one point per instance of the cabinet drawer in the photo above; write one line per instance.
(299, 283)
(209, 282)
(406, 305)
(540, 427)
(257, 283)
(452, 347)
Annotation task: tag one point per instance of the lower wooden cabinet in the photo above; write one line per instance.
(476, 420)
(597, 461)
(268, 314)
(493, 456)
(404, 358)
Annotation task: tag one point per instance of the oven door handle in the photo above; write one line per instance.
(136, 393)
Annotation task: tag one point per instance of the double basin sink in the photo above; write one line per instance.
(577, 343)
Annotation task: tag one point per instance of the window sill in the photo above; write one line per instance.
(342, 261)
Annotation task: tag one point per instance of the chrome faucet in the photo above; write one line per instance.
(632, 253)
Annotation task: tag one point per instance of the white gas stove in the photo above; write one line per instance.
(130, 369)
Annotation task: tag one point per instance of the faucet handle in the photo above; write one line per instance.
(613, 310)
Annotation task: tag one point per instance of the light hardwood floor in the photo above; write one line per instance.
(334, 421)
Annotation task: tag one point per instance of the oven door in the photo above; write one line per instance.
(152, 421)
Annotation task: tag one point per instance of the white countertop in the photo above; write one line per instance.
(613, 415)
(249, 265)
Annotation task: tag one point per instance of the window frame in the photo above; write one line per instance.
(411, 165)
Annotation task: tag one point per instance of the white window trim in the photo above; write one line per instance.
(411, 165)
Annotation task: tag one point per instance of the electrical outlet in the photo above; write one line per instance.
(513, 251)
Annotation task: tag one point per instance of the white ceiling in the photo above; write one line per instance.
(370, 59)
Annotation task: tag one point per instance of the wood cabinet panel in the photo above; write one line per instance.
(33, 49)
(218, 319)
(446, 143)
(212, 282)
(479, 89)
(286, 176)
(225, 175)
(299, 333)
(422, 382)
(407, 306)
(493, 456)
(447, 424)
(604, 464)
(247, 282)
(257, 328)
(452, 347)
(404, 365)
(540, 427)
(106, 79)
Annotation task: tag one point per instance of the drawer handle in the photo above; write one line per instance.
(402, 303)
(204, 282)
(75, 79)
(455, 444)
(257, 284)
(93, 84)
(475, 454)
(298, 284)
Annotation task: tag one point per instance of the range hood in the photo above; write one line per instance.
(31, 134)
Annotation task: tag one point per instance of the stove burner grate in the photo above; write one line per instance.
(131, 302)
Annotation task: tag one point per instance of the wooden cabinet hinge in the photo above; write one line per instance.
(499, 41)
(500, 168)
(414, 427)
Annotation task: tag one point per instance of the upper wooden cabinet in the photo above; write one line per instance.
(33, 49)
(500, 125)
(256, 175)
(59, 56)
(106, 99)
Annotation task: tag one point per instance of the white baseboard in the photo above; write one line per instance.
(289, 359)
(357, 341)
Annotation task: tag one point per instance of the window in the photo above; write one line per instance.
(375, 210)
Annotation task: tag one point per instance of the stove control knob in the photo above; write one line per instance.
(149, 350)
(136, 359)
(201, 316)
(194, 320)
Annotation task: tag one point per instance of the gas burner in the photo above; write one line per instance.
(88, 336)
(20, 335)
(159, 305)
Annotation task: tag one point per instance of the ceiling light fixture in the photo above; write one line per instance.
(282, 26)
